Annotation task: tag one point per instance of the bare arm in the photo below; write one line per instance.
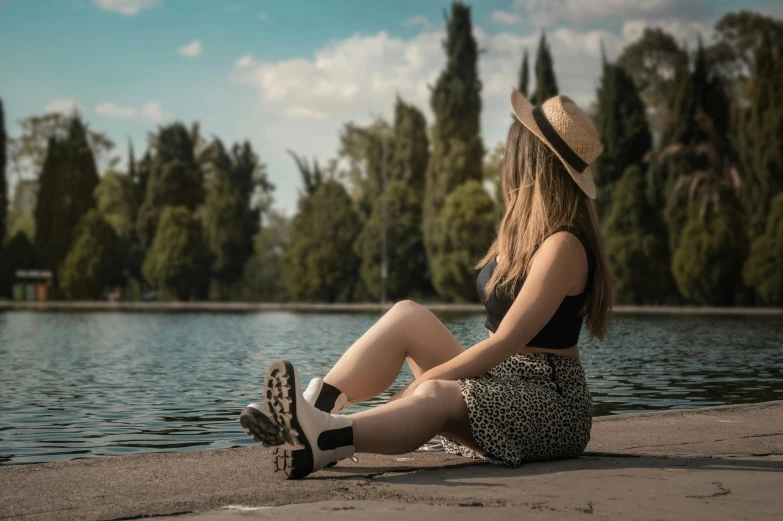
(558, 268)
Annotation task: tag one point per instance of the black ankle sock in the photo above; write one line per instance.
(327, 398)
(336, 438)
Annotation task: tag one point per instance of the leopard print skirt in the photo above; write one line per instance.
(531, 407)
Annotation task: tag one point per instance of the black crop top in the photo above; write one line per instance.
(562, 330)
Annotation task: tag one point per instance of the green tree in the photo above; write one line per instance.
(263, 274)
(636, 249)
(18, 253)
(177, 263)
(66, 186)
(319, 263)
(407, 263)
(3, 182)
(312, 176)
(653, 61)
(738, 36)
(546, 83)
(524, 75)
(457, 150)
(762, 270)
(115, 197)
(463, 232)
(231, 220)
(622, 127)
(362, 151)
(28, 151)
(707, 263)
(758, 133)
(492, 171)
(175, 179)
(94, 261)
(410, 147)
(695, 151)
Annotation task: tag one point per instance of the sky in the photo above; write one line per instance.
(289, 74)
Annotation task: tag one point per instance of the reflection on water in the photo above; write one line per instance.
(76, 385)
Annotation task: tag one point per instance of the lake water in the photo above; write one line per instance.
(75, 385)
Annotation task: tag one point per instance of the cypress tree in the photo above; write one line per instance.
(174, 180)
(463, 232)
(457, 149)
(3, 182)
(524, 73)
(319, 263)
(636, 237)
(622, 127)
(546, 84)
(758, 134)
(66, 186)
(94, 261)
(177, 263)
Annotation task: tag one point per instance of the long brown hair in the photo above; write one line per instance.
(541, 197)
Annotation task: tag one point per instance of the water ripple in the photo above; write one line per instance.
(77, 385)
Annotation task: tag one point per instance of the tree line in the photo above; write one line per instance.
(690, 189)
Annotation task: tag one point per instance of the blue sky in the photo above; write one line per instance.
(290, 74)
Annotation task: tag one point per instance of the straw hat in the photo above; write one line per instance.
(567, 130)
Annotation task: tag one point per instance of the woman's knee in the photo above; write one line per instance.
(406, 308)
(446, 396)
(434, 389)
(446, 393)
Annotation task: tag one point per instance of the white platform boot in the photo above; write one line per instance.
(258, 425)
(312, 438)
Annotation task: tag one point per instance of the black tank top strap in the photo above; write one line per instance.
(588, 251)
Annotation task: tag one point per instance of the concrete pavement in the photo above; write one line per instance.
(711, 464)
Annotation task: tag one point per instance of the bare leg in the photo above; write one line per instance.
(407, 331)
(436, 407)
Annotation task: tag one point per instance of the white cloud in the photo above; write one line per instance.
(64, 106)
(126, 7)
(150, 111)
(112, 111)
(153, 112)
(192, 49)
(417, 19)
(262, 16)
(681, 30)
(304, 113)
(359, 75)
(244, 61)
(546, 12)
(304, 102)
(506, 18)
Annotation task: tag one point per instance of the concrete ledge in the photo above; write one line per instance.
(58, 305)
(713, 463)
